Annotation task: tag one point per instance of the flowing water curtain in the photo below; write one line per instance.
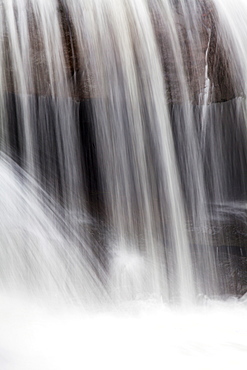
(37, 110)
(147, 67)
(184, 41)
(35, 72)
(16, 66)
(134, 139)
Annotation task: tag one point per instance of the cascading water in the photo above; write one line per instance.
(123, 161)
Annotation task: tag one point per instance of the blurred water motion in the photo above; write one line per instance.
(123, 145)
(123, 162)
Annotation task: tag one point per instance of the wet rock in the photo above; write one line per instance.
(200, 57)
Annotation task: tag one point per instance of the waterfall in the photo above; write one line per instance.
(123, 148)
(123, 161)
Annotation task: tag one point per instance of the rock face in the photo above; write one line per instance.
(191, 53)
(204, 59)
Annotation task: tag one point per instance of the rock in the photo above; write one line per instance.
(200, 46)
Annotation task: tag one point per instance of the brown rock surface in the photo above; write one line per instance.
(197, 32)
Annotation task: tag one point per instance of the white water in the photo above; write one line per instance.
(136, 336)
(49, 318)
